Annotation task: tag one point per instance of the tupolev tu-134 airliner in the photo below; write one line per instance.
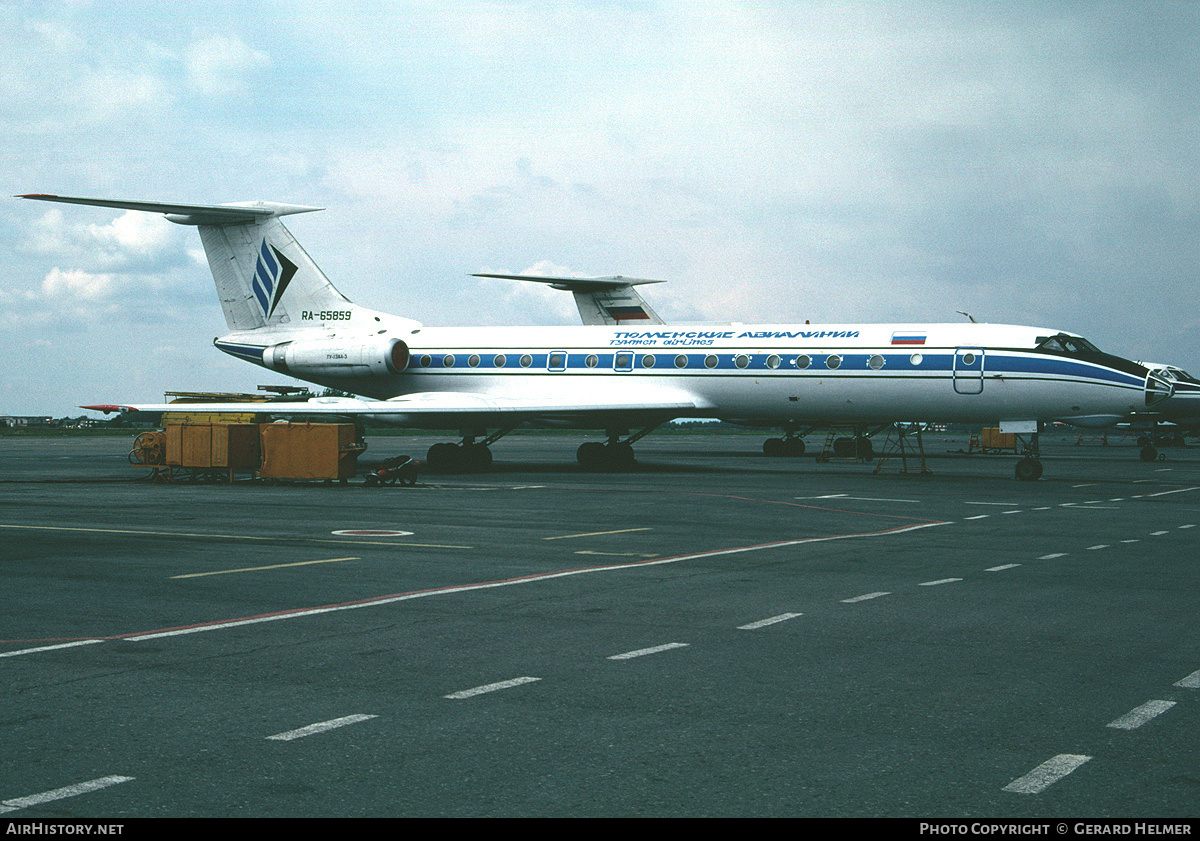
(625, 370)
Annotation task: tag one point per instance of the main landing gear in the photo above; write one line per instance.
(786, 447)
(614, 454)
(1029, 469)
(467, 456)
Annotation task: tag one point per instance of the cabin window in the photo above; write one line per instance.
(803, 361)
(710, 361)
(426, 360)
(916, 359)
(499, 360)
(741, 360)
(968, 358)
(648, 360)
(875, 362)
(773, 361)
(833, 361)
(473, 360)
(592, 360)
(681, 361)
(448, 360)
(526, 360)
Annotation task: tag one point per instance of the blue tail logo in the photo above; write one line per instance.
(271, 277)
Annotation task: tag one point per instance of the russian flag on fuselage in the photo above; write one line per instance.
(908, 338)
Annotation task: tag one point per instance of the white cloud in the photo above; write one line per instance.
(220, 64)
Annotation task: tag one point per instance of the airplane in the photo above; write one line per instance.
(1179, 417)
(285, 315)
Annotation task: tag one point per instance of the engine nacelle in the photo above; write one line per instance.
(347, 357)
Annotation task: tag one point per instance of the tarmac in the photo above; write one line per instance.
(712, 632)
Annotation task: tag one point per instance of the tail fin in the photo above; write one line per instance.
(254, 259)
(254, 264)
(600, 300)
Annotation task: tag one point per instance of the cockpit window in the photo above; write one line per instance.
(1062, 343)
(1179, 375)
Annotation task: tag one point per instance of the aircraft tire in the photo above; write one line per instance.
(440, 456)
(793, 447)
(620, 454)
(477, 457)
(1029, 470)
(590, 455)
(1148, 453)
(773, 447)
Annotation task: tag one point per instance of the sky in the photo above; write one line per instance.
(1031, 163)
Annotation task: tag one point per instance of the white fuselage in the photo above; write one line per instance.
(766, 374)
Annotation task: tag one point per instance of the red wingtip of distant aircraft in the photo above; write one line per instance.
(107, 409)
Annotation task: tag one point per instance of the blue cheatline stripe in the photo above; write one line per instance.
(251, 352)
(853, 364)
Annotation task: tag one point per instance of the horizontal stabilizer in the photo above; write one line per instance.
(578, 284)
(190, 214)
(600, 300)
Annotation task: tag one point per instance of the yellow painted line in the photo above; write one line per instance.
(595, 533)
(255, 569)
(237, 537)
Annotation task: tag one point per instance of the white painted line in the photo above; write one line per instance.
(320, 727)
(1098, 546)
(864, 598)
(511, 582)
(1046, 774)
(372, 533)
(1192, 681)
(1052, 556)
(1131, 541)
(1002, 568)
(939, 581)
(762, 623)
(1118, 499)
(259, 569)
(60, 793)
(1042, 508)
(1157, 533)
(1176, 491)
(491, 687)
(1188, 526)
(859, 498)
(642, 652)
(596, 533)
(1015, 511)
(48, 648)
(1136, 718)
(1006, 504)
(978, 517)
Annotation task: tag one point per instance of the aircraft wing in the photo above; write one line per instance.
(443, 409)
